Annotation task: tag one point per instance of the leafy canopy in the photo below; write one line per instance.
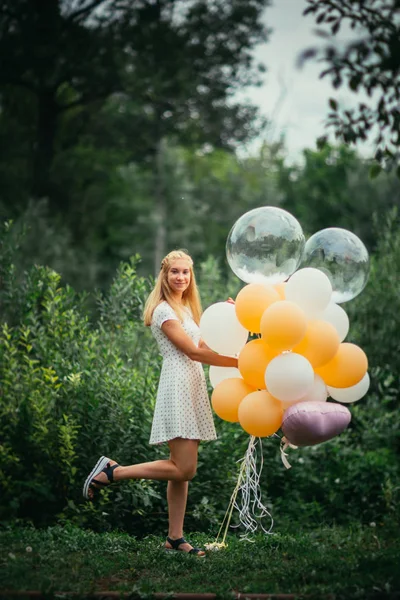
(370, 62)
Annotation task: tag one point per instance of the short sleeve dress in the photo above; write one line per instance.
(182, 407)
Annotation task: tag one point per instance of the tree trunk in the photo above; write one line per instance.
(160, 209)
(45, 138)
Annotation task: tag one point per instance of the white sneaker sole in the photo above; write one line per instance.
(99, 466)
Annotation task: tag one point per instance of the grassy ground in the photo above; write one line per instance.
(355, 562)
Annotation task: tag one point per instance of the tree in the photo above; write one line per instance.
(370, 63)
(60, 63)
(332, 189)
(172, 63)
(120, 77)
(205, 192)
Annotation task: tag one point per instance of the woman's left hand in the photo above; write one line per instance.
(230, 300)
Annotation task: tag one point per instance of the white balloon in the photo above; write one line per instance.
(289, 377)
(218, 374)
(337, 316)
(351, 394)
(318, 393)
(310, 289)
(221, 330)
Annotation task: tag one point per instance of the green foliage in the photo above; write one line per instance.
(368, 62)
(69, 389)
(76, 385)
(375, 314)
(356, 475)
(104, 78)
(203, 195)
(332, 189)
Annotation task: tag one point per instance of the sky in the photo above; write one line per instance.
(295, 99)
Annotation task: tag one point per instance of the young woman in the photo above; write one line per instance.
(182, 415)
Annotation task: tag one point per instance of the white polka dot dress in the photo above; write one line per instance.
(182, 408)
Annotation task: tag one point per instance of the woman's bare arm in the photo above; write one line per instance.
(202, 344)
(177, 335)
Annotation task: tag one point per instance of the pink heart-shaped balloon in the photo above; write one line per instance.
(310, 423)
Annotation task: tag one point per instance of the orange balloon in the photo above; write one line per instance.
(227, 396)
(252, 362)
(260, 414)
(280, 288)
(320, 343)
(346, 368)
(251, 302)
(283, 325)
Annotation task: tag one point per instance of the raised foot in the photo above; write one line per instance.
(102, 475)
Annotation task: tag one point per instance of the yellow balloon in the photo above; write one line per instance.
(280, 288)
(346, 368)
(252, 362)
(260, 414)
(320, 343)
(227, 396)
(283, 325)
(251, 302)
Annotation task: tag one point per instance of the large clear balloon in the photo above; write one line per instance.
(343, 257)
(265, 245)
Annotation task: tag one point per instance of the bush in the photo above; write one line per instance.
(76, 384)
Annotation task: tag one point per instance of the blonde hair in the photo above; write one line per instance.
(162, 292)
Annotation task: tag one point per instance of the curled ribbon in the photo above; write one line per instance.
(285, 444)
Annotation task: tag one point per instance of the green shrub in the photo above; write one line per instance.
(77, 383)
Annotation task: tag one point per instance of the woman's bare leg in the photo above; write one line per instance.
(177, 470)
(181, 466)
(177, 491)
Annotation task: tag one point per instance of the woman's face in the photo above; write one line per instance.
(179, 276)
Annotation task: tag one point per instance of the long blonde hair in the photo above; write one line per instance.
(162, 291)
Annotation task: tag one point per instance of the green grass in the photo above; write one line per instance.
(355, 562)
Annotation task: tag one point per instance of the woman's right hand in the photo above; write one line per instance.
(178, 336)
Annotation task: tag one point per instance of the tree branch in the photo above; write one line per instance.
(83, 101)
(18, 82)
(85, 10)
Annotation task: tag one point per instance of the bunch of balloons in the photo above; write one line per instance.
(296, 357)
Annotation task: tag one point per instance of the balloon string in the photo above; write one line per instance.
(229, 511)
(251, 494)
(248, 483)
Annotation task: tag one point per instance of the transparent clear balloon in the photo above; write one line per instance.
(265, 245)
(343, 257)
